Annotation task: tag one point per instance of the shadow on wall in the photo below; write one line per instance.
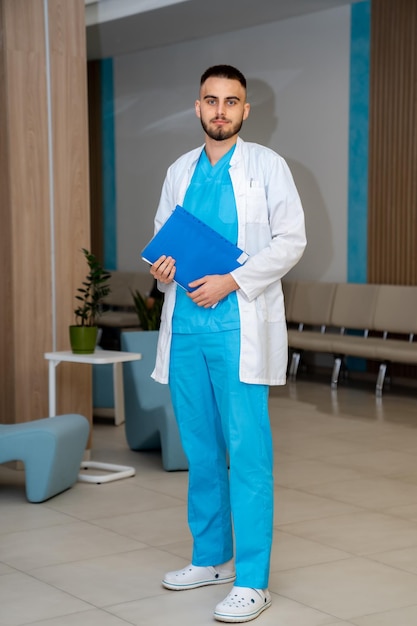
(260, 127)
(319, 252)
(262, 121)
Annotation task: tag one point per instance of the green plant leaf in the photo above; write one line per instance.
(148, 310)
(94, 289)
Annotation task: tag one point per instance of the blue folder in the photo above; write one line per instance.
(198, 250)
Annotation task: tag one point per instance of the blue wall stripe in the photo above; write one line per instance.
(358, 143)
(109, 166)
(357, 242)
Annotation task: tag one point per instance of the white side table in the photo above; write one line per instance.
(101, 357)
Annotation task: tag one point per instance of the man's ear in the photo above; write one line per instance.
(246, 110)
(197, 108)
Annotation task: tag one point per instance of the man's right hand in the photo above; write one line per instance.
(164, 269)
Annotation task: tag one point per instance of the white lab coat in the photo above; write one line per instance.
(271, 230)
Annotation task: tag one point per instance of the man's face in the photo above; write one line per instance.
(222, 107)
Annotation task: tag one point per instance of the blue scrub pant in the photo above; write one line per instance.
(224, 421)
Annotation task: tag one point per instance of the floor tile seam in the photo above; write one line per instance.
(385, 612)
(388, 511)
(50, 507)
(352, 557)
(64, 591)
(93, 524)
(303, 604)
(91, 605)
(372, 448)
(164, 548)
(372, 557)
(81, 613)
(181, 500)
(96, 557)
(318, 455)
(378, 509)
(72, 520)
(362, 477)
(349, 554)
(108, 516)
(16, 571)
(305, 488)
(408, 606)
(309, 539)
(146, 483)
(368, 557)
(337, 434)
(96, 521)
(384, 450)
(368, 472)
(363, 474)
(401, 478)
(360, 510)
(107, 611)
(137, 485)
(112, 608)
(376, 431)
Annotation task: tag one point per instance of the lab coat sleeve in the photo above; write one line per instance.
(281, 233)
(163, 212)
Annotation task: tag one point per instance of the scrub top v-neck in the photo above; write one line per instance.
(210, 197)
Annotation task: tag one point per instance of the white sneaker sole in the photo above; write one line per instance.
(197, 583)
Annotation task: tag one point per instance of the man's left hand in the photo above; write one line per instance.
(211, 289)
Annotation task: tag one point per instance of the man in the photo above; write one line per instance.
(222, 345)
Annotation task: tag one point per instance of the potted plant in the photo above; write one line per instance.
(148, 310)
(83, 334)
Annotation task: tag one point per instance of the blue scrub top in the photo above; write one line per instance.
(210, 197)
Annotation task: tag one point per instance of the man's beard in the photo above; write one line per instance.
(220, 134)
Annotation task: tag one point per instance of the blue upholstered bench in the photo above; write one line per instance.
(51, 450)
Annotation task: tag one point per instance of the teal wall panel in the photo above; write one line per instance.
(358, 143)
(109, 166)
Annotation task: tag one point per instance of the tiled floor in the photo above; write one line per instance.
(345, 548)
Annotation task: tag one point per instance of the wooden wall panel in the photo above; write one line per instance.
(7, 407)
(71, 176)
(392, 205)
(392, 210)
(36, 259)
(26, 239)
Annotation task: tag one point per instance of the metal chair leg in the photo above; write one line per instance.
(380, 379)
(336, 371)
(295, 361)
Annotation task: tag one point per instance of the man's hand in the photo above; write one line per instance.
(164, 269)
(211, 289)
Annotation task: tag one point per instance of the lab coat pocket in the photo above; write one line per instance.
(256, 204)
(270, 304)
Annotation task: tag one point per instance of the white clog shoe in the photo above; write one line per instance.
(242, 604)
(193, 576)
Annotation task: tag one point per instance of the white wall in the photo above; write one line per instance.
(298, 85)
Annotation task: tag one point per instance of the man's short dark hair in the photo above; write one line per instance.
(224, 71)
